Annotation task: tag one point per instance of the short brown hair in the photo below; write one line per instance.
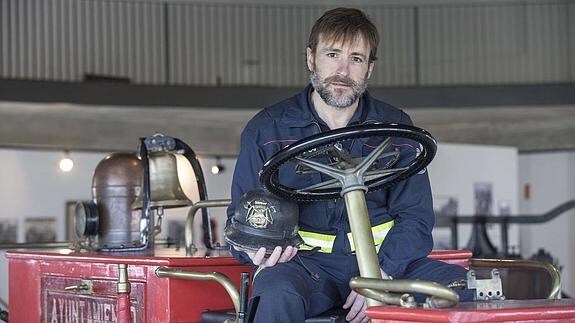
(344, 24)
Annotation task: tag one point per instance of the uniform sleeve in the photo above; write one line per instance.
(410, 204)
(245, 178)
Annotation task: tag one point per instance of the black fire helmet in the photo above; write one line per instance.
(262, 219)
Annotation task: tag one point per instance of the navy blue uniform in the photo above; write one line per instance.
(291, 288)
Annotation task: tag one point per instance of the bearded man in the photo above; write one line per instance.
(340, 56)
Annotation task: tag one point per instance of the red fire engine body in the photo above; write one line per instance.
(44, 288)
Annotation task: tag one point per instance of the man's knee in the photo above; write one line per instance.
(275, 281)
(435, 270)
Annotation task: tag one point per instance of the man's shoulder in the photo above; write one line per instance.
(272, 114)
(386, 112)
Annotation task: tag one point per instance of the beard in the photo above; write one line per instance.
(337, 98)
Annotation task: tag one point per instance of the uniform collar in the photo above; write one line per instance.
(298, 110)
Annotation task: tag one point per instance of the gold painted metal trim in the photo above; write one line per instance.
(367, 260)
(381, 289)
(195, 275)
(188, 238)
(555, 292)
(123, 283)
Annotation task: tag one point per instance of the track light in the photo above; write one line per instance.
(218, 167)
(66, 163)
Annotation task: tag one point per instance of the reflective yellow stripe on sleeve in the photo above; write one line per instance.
(325, 241)
(312, 239)
(379, 232)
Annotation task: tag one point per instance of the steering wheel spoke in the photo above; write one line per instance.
(373, 156)
(324, 169)
(329, 184)
(380, 174)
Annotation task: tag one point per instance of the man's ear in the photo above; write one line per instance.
(370, 69)
(309, 59)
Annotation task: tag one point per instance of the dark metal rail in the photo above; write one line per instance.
(453, 221)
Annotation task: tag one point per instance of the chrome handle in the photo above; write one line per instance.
(85, 287)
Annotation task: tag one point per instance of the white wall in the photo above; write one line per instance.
(32, 186)
(454, 172)
(551, 180)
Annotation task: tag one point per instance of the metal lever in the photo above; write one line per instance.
(85, 287)
(244, 287)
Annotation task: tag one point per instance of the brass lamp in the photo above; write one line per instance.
(171, 176)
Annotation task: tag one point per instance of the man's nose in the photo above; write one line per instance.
(343, 68)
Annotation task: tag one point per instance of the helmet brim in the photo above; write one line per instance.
(252, 243)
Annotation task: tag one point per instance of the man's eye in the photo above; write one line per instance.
(357, 60)
(331, 54)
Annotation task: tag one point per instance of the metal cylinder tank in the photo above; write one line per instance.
(116, 183)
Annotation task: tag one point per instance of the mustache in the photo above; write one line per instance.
(340, 79)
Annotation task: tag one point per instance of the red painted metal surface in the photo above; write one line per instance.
(123, 309)
(97, 304)
(37, 282)
(494, 311)
(38, 279)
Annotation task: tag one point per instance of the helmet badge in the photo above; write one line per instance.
(259, 214)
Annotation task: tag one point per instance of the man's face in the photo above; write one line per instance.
(339, 71)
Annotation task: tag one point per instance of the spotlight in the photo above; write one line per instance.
(218, 167)
(66, 163)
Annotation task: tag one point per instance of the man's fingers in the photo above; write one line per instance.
(287, 254)
(353, 312)
(293, 253)
(274, 257)
(259, 256)
(383, 274)
(360, 316)
(357, 311)
(349, 300)
(251, 255)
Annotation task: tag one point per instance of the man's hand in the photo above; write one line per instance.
(259, 258)
(357, 305)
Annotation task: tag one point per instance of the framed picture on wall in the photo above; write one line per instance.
(40, 230)
(8, 230)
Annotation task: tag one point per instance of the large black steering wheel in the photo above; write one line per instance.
(323, 153)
